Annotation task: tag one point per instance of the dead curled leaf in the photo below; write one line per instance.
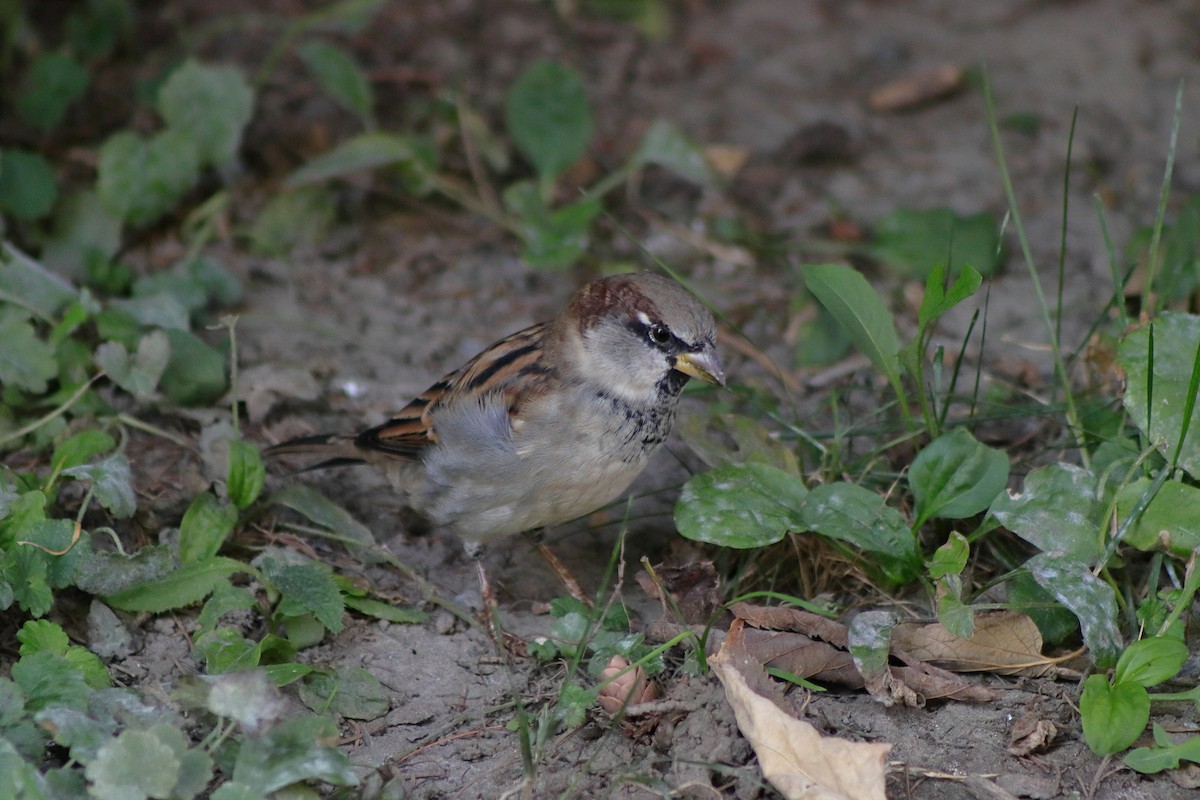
(1004, 642)
(919, 89)
(797, 760)
(1030, 734)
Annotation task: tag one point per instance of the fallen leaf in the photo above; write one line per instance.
(920, 89)
(265, 385)
(1030, 734)
(797, 760)
(1004, 642)
(694, 589)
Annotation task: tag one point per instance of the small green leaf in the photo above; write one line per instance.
(27, 184)
(341, 77)
(1113, 716)
(1057, 511)
(206, 525)
(293, 219)
(26, 362)
(913, 242)
(951, 557)
(39, 289)
(548, 117)
(246, 473)
(306, 588)
(324, 512)
(553, 238)
(211, 106)
(385, 611)
(225, 598)
(38, 635)
(52, 83)
(937, 300)
(350, 692)
(140, 375)
(665, 145)
(956, 616)
(740, 505)
(362, 153)
(83, 230)
(290, 752)
(859, 309)
(140, 180)
(112, 484)
(195, 767)
(48, 679)
(80, 448)
(189, 584)
(956, 477)
(869, 640)
(195, 373)
(120, 771)
(858, 516)
(1149, 760)
(105, 573)
(1090, 599)
(1171, 520)
(1149, 662)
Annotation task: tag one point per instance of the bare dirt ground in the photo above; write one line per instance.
(389, 304)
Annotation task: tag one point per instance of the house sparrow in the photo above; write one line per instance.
(548, 424)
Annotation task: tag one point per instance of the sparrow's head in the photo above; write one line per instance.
(639, 335)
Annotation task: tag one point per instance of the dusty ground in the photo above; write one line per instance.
(387, 305)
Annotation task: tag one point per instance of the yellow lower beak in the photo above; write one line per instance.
(703, 365)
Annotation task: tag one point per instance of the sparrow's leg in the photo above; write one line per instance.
(568, 580)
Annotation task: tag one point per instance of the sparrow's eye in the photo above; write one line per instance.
(659, 334)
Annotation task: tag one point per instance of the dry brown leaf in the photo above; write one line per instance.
(694, 588)
(920, 89)
(797, 760)
(779, 618)
(1004, 642)
(726, 160)
(1030, 733)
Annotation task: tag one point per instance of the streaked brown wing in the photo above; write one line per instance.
(412, 429)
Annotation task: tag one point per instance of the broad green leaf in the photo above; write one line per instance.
(1149, 760)
(956, 616)
(140, 375)
(385, 611)
(306, 588)
(341, 77)
(120, 770)
(37, 635)
(938, 300)
(740, 505)
(1171, 520)
(188, 584)
(140, 180)
(849, 513)
(324, 512)
(293, 751)
(80, 448)
(1149, 662)
(951, 557)
(956, 477)
(28, 187)
(350, 692)
(105, 573)
(1058, 510)
(720, 438)
(195, 767)
(206, 525)
(112, 484)
(1176, 339)
(1113, 716)
(246, 473)
(195, 373)
(225, 651)
(26, 362)
(665, 145)
(27, 575)
(1090, 599)
(209, 104)
(293, 219)
(49, 86)
(76, 730)
(362, 153)
(48, 679)
(859, 309)
(39, 289)
(548, 117)
(914, 242)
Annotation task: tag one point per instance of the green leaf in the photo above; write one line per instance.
(914, 242)
(27, 184)
(858, 516)
(206, 525)
(27, 576)
(48, 679)
(938, 301)
(291, 752)
(112, 484)
(385, 611)
(1176, 339)
(211, 106)
(120, 770)
(293, 219)
(548, 117)
(106, 573)
(140, 375)
(80, 448)
(1057, 511)
(348, 692)
(94, 30)
(162, 310)
(26, 362)
(362, 153)
(665, 145)
(1171, 520)
(951, 557)
(553, 239)
(306, 588)
(52, 83)
(1090, 599)
(869, 640)
(83, 230)
(859, 309)
(740, 505)
(956, 476)
(39, 289)
(189, 584)
(1113, 716)
(246, 473)
(324, 512)
(1149, 662)
(195, 373)
(38, 635)
(195, 767)
(341, 77)
(224, 599)
(141, 180)
(956, 616)
(1149, 760)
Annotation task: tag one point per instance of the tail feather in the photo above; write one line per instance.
(335, 450)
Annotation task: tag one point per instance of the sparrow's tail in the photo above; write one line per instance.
(334, 450)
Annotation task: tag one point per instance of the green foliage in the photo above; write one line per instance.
(906, 239)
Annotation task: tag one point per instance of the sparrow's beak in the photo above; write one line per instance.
(703, 365)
